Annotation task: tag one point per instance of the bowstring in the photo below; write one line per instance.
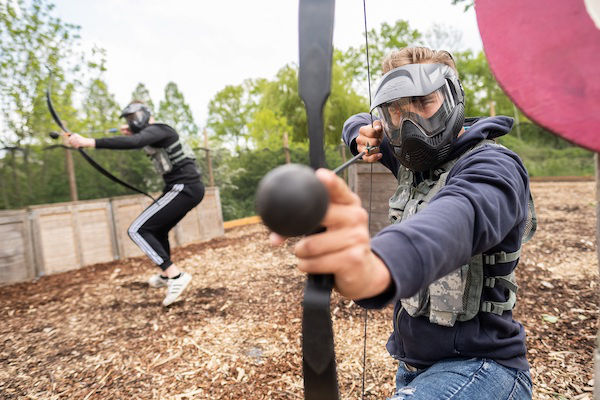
(366, 312)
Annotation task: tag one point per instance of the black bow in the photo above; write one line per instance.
(314, 85)
(86, 156)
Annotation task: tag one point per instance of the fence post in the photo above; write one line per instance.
(286, 148)
(343, 151)
(517, 123)
(211, 178)
(492, 108)
(71, 175)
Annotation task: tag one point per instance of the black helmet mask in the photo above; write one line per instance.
(421, 107)
(137, 116)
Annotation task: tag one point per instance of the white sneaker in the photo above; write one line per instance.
(176, 287)
(156, 281)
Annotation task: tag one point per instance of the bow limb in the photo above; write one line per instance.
(314, 85)
(85, 155)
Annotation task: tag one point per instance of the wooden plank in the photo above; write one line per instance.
(188, 229)
(209, 214)
(241, 222)
(95, 232)
(125, 210)
(204, 222)
(16, 253)
(57, 240)
(374, 189)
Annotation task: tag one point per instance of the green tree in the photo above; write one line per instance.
(481, 88)
(174, 111)
(228, 113)
(266, 129)
(280, 96)
(141, 93)
(382, 41)
(30, 37)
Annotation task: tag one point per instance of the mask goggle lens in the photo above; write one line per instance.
(429, 113)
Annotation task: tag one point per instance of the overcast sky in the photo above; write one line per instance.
(203, 46)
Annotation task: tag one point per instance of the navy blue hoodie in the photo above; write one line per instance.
(482, 209)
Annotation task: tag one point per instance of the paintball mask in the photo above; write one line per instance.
(137, 116)
(421, 107)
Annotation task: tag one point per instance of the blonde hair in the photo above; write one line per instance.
(417, 55)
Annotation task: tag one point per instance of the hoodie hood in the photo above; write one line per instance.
(477, 129)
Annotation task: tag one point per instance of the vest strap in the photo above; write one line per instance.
(498, 307)
(501, 257)
(507, 281)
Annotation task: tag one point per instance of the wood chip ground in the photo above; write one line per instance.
(101, 333)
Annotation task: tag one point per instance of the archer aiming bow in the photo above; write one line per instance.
(86, 156)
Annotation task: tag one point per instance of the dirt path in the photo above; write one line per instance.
(100, 332)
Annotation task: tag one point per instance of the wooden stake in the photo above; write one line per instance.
(71, 174)
(286, 149)
(211, 178)
(343, 150)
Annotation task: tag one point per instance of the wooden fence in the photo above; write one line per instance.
(375, 190)
(54, 238)
(384, 185)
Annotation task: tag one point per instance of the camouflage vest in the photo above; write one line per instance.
(456, 296)
(165, 158)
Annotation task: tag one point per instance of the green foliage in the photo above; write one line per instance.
(175, 112)
(467, 3)
(30, 39)
(228, 113)
(481, 88)
(266, 129)
(141, 93)
(545, 154)
(382, 41)
(247, 167)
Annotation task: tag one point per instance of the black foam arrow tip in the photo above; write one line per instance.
(291, 200)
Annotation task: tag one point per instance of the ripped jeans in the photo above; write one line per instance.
(463, 379)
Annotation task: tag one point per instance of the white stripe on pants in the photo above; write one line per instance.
(146, 215)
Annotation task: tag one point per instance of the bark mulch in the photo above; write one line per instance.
(101, 333)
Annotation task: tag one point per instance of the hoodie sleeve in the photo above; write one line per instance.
(350, 133)
(484, 199)
(150, 135)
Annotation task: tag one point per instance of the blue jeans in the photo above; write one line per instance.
(458, 379)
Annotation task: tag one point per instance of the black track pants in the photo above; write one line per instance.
(150, 231)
